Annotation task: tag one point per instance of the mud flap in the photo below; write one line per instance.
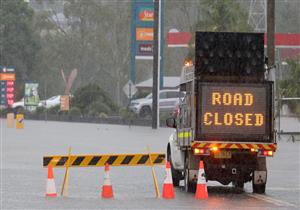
(260, 177)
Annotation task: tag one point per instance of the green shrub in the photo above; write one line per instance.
(98, 107)
(103, 115)
(126, 113)
(289, 86)
(54, 109)
(74, 111)
(40, 110)
(92, 100)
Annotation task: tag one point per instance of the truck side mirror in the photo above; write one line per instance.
(171, 123)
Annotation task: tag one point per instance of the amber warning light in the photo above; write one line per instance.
(234, 109)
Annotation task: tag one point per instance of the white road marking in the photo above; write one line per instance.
(274, 201)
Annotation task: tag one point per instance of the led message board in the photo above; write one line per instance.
(229, 111)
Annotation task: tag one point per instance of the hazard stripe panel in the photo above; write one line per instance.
(233, 145)
(101, 160)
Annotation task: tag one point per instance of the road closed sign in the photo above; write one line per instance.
(235, 111)
(65, 103)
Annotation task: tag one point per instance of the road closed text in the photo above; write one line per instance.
(233, 109)
(230, 118)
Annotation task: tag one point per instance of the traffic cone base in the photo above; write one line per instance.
(201, 191)
(168, 189)
(50, 188)
(107, 192)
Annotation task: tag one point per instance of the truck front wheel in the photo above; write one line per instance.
(176, 175)
(189, 186)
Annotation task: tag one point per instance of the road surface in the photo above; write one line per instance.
(23, 179)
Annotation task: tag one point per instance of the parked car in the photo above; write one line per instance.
(168, 99)
(50, 102)
(19, 106)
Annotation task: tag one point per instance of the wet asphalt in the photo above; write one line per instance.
(23, 179)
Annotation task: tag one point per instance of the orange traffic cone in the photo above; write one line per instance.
(50, 188)
(168, 189)
(107, 190)
(201, 192)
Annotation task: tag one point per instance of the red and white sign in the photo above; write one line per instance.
(178, 39)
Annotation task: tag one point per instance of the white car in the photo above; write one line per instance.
(168, 99)
(20, 106)
(50, 102)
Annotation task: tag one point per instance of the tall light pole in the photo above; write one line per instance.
(271, 32)
(156, 63)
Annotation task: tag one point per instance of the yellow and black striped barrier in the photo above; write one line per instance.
(101, 160)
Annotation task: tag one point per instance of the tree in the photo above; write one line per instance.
(287, 16)
(202, 15)
(92, 100)
(220, 16)
(289, 87)
(92, 37)
(18, 42)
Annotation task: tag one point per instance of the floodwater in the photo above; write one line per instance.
(23, 179)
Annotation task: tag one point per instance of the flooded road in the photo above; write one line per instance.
(23, 179)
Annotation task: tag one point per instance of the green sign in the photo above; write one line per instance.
(31, 96)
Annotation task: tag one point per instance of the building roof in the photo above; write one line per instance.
(169, 82)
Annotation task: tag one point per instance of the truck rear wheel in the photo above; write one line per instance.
(189, 186)
(259, 176)
(259, 188)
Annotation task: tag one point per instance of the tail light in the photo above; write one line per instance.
(265, 153)
(201, 151)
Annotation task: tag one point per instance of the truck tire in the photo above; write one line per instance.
(176, 175)
(259, 188)
(145, 111)
(188, 185)
(261, 166)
